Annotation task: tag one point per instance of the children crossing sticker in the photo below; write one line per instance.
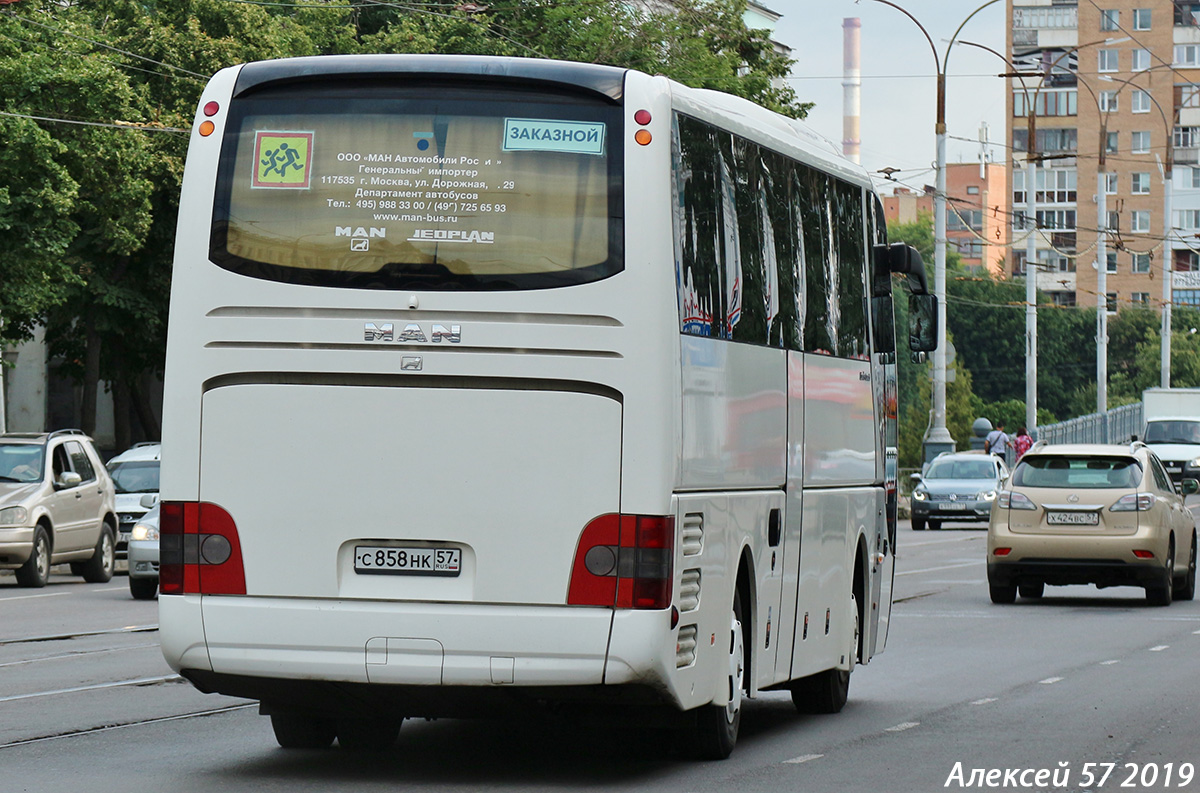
(282, 159)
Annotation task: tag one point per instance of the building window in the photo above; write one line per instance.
(1141, 262)
(1141, 60)
(1139, 142)
(1186, 297)
(1111, 300)
(1056, 219)
(1110, 142)
(969, 249)
(1108, 102)
(1043, 17)
(1110, 61)
(1111, 258)
(1186, 262)
(1048, 140)
(1056, 186)
(1064, 299)
(1110, 184)
(1110, 19)
(963, 219)
(1189, 95)
(972, 190)
(1141, 102)
(1140, 299)
(1114, 222)
(1187, 54)
(1187, 14)
(1187, 218)
(1047, 103)
(1055, 262)
(1140, 183)
(1141, 19)
(1140, 221)
(1195, 177)
(1187, 137)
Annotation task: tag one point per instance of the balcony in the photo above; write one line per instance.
(1187, 15)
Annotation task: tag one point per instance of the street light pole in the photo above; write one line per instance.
(938, 438)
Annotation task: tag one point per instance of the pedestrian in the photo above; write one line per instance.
(997, 441)
(1021, 443)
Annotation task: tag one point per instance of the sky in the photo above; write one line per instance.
(899, 85)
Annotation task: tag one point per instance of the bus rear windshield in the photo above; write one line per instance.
(420, 187)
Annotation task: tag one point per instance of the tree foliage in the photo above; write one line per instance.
(98, 95)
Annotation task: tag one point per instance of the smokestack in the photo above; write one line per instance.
(851, 86)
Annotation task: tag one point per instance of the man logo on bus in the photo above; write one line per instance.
(281, 159)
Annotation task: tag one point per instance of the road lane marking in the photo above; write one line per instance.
(985, 701)
(804, 758)
(1050, 681)
(141, 681)
(58, 637)
(1159, 648)
(144, 722)
(937, 542)
(79, 654)
(1109, 663)
(31, 597)
(907, 725)
(943, 567)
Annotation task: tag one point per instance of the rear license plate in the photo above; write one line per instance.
(1073, 518)
(391, 560)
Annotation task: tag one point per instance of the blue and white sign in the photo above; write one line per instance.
(572, 137)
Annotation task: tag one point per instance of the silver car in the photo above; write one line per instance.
(56, 505)
(143, 556)
(958, 487)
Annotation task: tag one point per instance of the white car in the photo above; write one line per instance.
(135, 474)
(143, 556)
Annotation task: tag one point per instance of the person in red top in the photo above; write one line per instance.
(1021, 443)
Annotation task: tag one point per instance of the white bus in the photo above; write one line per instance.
(499, 383)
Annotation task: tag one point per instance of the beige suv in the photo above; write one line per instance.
(56, 505)
(1092, 514)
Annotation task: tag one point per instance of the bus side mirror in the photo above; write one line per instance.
(922, 323)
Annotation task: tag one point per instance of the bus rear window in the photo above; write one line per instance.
(432, 187)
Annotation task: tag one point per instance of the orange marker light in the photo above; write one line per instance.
(643, 137)
(206, 128)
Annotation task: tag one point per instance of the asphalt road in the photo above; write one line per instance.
(1081, 676)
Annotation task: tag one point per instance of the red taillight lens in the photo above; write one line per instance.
(1002, 551)
(1144, 554)
(211, 108)
(199, 551)
(624, 561)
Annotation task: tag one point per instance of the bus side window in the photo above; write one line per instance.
(699, 226)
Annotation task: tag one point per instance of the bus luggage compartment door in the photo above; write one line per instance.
(319, 477)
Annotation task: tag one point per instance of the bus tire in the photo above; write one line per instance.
(367, 735)
(828, 691)
(302, 732)
(716, 726)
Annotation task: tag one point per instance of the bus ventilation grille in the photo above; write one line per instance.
(692, 541)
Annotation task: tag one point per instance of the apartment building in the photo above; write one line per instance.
(1111, 92)
(976, 213)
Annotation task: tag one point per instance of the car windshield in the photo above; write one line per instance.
(1078, 472)
(135, 477)
(21, 462)
(1173, 432)
(962, 469)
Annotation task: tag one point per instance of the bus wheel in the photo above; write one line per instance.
(827, 692)
(367, 735)
(716, 728)
(302, 732)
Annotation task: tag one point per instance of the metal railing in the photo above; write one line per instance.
(1118, 425)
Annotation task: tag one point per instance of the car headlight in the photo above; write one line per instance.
(14, 516)
(144, 531)
(1195, 463)
(987, 495)
(920, 495)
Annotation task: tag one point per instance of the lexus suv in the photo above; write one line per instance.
(957, 487)
(56, 505)
(1092, 514)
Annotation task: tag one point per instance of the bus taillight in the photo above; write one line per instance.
(199, 551)
(624, 561)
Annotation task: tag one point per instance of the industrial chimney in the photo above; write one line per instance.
(851, 86)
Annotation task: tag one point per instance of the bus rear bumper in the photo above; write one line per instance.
(260, 648)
